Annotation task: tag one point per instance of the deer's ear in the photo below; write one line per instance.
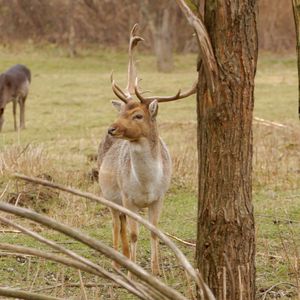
(118, 105)
(153, 108)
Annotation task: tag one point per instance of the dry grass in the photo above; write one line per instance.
(66, 120)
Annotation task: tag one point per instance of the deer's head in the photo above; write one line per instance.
(137, 119)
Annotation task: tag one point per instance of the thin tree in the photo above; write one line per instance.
(225, 252)
(160, 16)
(296, 10)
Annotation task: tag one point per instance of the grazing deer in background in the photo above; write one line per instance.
(134, 163)
(14, 86)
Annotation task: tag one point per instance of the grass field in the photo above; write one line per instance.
(68, 111)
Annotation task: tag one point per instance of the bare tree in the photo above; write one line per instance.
(71, 34)
(296, 9)
(160, 16)
(225, 248)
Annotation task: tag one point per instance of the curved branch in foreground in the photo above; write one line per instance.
(65, 261)
(109, 252)
(12, 293)
(206, 50)
(99, 270)
(179, 255)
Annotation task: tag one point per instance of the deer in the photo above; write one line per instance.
(14, 86)
(134, 163)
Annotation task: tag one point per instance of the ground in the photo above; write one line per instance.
(67, 113)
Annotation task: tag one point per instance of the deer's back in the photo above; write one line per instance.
(19, 74)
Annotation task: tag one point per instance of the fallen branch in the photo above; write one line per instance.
(180, 240)
(269, 123)
(10, 231)
(74, 285)
(94, 244)
(12, 293)
(180, 256)
(100, 271)
(264, 294)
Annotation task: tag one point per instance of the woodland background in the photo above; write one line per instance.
(106, 23)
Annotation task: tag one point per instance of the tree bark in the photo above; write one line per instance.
(225, 252)
(296, 10)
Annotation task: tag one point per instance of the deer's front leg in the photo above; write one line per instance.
(22, 112)
(1, 118)
(154, 213)
(116, 232)
(125, 244)
(14, 113)
(133, 229)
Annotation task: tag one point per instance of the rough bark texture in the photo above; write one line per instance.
(226, 234)
(296, 10)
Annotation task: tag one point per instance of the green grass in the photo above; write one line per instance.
(68, 111)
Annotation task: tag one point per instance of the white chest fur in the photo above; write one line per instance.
(146, 181)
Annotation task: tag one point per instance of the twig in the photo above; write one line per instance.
(4, 191)
(13, 293)
(270, 123)
(35, 277)
(18, 199)
(10, 231)
(86, 285)
(180, 240)
(273, 286)
(82, 286)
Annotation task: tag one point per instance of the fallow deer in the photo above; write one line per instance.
(14, 86)
(134, 162)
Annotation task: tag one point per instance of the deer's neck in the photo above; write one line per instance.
(146, 161)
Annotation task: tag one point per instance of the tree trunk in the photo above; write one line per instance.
(296, 10)
(225, 250)
(161, 33)
(71, 33)
(160, 17)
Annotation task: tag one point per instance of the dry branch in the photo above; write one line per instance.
(53, 257)
(94, 244)
(70, 253)
(205, 47)
(179, 255)
(180, 240)
(12, 293)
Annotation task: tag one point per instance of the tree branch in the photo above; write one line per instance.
(206, 50)
(179, 255)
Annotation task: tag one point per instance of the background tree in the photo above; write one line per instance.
(161, 21)
(296, 10)
(226, 235)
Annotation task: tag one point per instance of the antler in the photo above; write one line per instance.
(126, 94)
(177, 96)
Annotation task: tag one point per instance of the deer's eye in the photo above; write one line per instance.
(138, 117)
